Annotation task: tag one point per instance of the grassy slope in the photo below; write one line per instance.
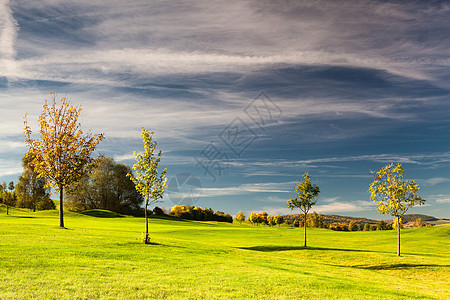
(103, 258)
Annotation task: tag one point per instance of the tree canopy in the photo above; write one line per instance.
(63, 153)
(307, 194)
(393, 195)
(108, 187)
(148, 180)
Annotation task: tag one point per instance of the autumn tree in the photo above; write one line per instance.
(148, 180)
(253, 218)
(279, 220)
(306, 195)
(240, 217)
(394, 195)
(271, 221)
(62, 155)
(366, 227)
(418, 223)
(352, 226)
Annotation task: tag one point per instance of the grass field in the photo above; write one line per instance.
(103, 257)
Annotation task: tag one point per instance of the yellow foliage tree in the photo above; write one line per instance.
(147, 180)
(394, 195)
(63, 153)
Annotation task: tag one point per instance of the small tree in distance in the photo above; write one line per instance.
(240, 217)
(148, 181)
(306, 195)
(393, 195)
(279, 220)
(63, 154)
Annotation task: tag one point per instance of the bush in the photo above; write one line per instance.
(158, 211)
(199, 214)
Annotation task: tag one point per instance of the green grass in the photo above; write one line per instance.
(100, 256)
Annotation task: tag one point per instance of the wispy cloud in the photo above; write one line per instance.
(440, 198)
(436, 180)
(332, 207)
(247, 188)
(8, 35)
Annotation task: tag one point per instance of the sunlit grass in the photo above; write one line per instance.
(98, 257)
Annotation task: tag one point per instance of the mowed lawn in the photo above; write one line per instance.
(101, 257)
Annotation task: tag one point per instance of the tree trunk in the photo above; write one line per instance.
(304, 227)
(7, 208)
(398, 236)
(146, 241)
(61, 216)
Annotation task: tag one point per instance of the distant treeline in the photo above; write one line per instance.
(315, 220)
(189, 212)
(329, 219)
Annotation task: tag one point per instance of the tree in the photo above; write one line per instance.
(107, 186)
(366, 227)
(396, 223)
(394, 195)
(264, 216)
(9, 199)
(271, 221)
(352, 226)
(253, 218)
(279, 220)
(381, 225)
(306, 195)
(148, 181)
(63, 153)
(11, 186)
(418, 223)
(31, 191)
(240, 217)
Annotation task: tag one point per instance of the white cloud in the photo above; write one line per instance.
(439, 198)
(341, 206)
(332, 206)
(9, 167)
(8, 35)
(436, 180)
(247, 188)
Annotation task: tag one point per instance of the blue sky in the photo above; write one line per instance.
(244, 97)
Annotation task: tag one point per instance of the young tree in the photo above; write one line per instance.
(240, 217)
(149, 182)
(63, 153)
(394, 195)
(306, 195)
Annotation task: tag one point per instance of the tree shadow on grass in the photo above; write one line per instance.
(397, 266)
(23, 217)
(290, 248)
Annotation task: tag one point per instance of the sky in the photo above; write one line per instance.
(244, 96)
